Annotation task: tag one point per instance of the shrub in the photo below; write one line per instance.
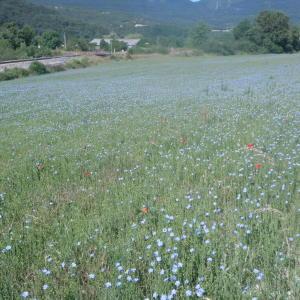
(38, 68)
(246, 46)
(78, 63)
(219, 47)
(58, 68)
(40, 52)
(14, 73)
(149, 50)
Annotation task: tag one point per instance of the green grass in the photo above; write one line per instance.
(84, 151)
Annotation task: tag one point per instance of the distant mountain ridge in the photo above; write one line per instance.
(220, 13)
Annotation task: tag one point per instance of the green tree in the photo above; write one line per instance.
(27, 35)
(241, 30)
(274, 29)
(51, 40)
(271, 32)
(199, 35)
(104, 45)
(295, 38)
(10, 33)
(118, 45)
(83, 44)
(78, 44)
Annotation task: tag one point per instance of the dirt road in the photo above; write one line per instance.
(24, 64)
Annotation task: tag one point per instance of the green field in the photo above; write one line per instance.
(158, 178)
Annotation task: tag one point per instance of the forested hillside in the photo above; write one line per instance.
(219, 13)
(74, 21)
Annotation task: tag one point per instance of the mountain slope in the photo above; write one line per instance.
(79, 22)
(43, 19)
(216, 12)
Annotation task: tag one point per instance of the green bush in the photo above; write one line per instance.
(219, 48)
(14, 73)
(78, 63)
(42, 52)
(149, 50)
(54, 69)
(38, 68)
(246, 46)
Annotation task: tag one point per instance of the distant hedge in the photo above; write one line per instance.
(14, 73)
(37, 68)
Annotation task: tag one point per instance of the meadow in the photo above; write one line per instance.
(159, 178)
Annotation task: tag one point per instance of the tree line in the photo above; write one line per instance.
(270, 32)
(25, 42)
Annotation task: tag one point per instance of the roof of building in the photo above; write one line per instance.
(129, 42)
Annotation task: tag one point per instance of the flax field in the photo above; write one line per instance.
(156, 178)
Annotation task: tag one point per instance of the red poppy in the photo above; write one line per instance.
(258, 166)
(250, 146)
(145, 210)
(87, 174)
(183, 140)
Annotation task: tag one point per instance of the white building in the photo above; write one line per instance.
(130, 42)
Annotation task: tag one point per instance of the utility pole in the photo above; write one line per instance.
(65, 40)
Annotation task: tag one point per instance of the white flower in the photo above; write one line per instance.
(159, 243)
(199, 293)
(8, 248)
(188, 293)
(177, 283)
(174, 269)
(45, 287)
(92, 276)
(24, 294)
(46, 271)
(260, 276)
(174, 255)
(108, 285)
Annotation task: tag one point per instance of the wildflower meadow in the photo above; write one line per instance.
(158, 178)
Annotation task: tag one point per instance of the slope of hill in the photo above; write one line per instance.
(216, 12)
(43, 19)
(83, 22)
(86, 22)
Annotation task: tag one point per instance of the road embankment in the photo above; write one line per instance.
(47, 61)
